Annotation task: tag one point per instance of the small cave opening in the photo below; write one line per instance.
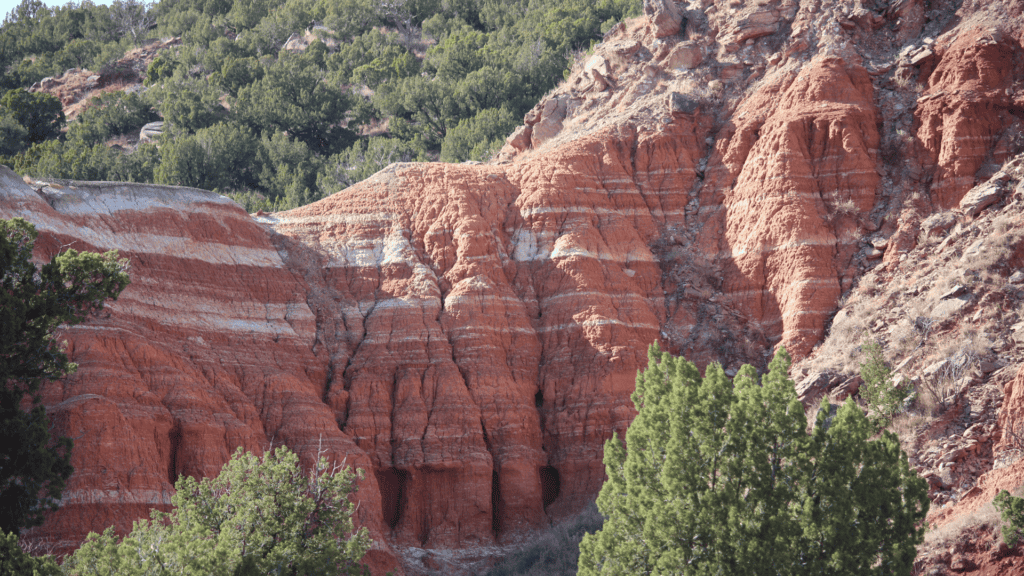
(538, 399)
(496, 508)
(550, 484)
(391, 482)
(174, 439)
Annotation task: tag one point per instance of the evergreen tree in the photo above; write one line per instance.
(16, 562)
(1011, 509)
(33, 304)
(883, 398)
(721, 477)
(40, 114)
(261, 515)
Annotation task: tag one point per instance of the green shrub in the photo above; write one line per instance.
(39, 113)
(261, 515)
(12, 135)
(1011, 509)
(111, 115)
(35, 304)
(16, 562)
(884, 399)
(479, 137)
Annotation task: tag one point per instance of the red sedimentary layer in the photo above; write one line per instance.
(470, 334)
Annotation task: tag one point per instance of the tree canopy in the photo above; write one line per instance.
(16, 562)
(721, 477)
(438, 80)
(34, 303)
(261, 515)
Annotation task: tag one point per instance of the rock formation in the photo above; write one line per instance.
(759, 175)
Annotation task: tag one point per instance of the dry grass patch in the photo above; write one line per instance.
(941, 538)
(904, 337)
(907, 425)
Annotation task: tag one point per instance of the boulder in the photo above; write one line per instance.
(844, 390)
(938, 224)
(520, 138)
(664, 15)
(685, 55)
(548, 122)
(981, 197)
(814, 386)
(680, 104)
(151, 131)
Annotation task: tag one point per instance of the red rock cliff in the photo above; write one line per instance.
(470, 334)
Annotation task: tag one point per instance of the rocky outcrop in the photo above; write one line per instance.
(664, 15)
(76, 87)
(151, 131)
(966, 120)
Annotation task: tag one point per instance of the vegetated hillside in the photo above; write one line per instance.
(283, 102)
(724, 177)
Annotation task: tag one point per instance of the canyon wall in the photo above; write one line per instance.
(469, 334)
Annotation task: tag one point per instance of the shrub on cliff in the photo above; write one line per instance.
(1011, 509)
(261, 515)
(721, 477)
(884, 399)
(455, 93)
(34, 304)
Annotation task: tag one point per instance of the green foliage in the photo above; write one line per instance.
(16, 562)
(72, 159)
(289, 169)
(218, 157)
(1011, 509)
(40, 114)
(362, 160)
(76, 160)
(722, 478)
(479, 137)
(883, 398)
(110, 115)
(38, 41)
(261, 515)
(347, 18)
(372, 59)
(159, 69)
(236, 73)
(12, 135)
(188, 103)
(34, 303)
(454, 96)
(293, 96)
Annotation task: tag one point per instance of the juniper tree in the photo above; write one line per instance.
(34, 303)
(261, 515)
(720, 477)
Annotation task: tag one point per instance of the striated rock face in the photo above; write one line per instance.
(970, 115)
(786, 242)
(470, 334)
(212, 347)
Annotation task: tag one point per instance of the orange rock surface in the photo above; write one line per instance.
(967, 119)
(470, 334)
